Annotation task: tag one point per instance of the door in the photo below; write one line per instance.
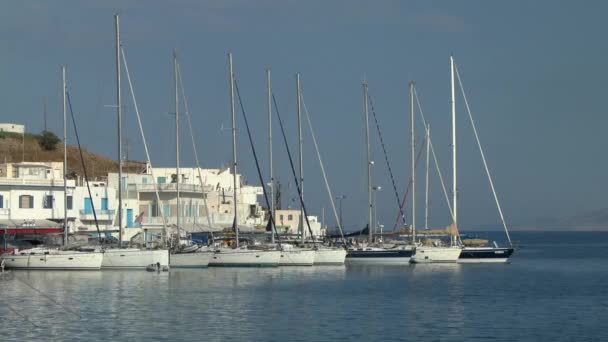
(129, 218)
(88, 205)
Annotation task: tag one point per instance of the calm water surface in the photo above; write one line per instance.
(554, 289)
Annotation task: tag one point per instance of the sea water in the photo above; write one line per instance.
(554, 289)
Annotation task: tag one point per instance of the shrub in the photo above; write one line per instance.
(48, 141)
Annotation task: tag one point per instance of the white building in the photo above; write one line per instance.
(288, 222)
(35, 191)
(141, 207)
(12, 128)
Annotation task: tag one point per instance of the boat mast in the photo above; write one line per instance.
(426, 189)
(65, 160)
(119, 115)
(269, 95)
(176, 145)
(453, 104)
(369, 165)
(413, 160)
(236, 224)
(299, 107)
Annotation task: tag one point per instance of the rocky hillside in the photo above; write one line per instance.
(17, 148)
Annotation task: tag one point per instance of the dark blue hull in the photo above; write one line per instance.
(485, 254)
(379, 256)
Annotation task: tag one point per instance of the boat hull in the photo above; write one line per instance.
(190, 260)
(330, 256)
(245, 258)
(55, 261)
(133, 258)
(473, 255)
(379, 256)
(297, 257)
(426, 255)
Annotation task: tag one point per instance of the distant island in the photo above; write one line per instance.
(595, 220)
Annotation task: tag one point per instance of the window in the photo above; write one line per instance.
(290, 217)
(1, 201)
(144, 180)
(281, 217)
(69, 200)
(26, 201)
(47, 202)
(161, 180)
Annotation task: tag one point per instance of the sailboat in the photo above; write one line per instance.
(55, 258)
(197, 256)
(398, 254)
(238, 256)
(119, 257)
(290, 254)
(438, 253)
(481, 251)
(324, 254)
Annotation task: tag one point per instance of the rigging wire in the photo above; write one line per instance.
(255, 157)
(143, 137)
(293, 170)
(331, 196)
(388, 164)
(84, 168)
(483, 157)
(49, 298)
(200, 177)
(409, 185)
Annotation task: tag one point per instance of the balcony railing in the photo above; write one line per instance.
(35, 182)
(169, 187)
(102, 214)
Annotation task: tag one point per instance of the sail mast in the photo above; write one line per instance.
(177, 176)
(299, 109)
(271, 184)
(413, 160)
(454, 185)
(369, 164)
(236, 224)
(65, 160)
(426, 188)
(119, 117)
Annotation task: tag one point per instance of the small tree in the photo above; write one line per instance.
(48, 141)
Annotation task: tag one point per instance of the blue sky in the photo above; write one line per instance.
(534, 72)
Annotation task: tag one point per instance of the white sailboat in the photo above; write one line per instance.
(184, 258)
(326, 255)
(127, 258)
(237, 256)
(290, 254)
(54, 258)
(439, 253)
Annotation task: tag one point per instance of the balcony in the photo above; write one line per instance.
(169, 187)
(102, 215)
(36, 182)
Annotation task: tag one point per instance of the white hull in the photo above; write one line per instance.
(52, 259)
(297, 257)
(483, 261)
(330, 256)
(380, 261)
(191, 260)
(245, 258)
(424, 255)
(133, 258)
